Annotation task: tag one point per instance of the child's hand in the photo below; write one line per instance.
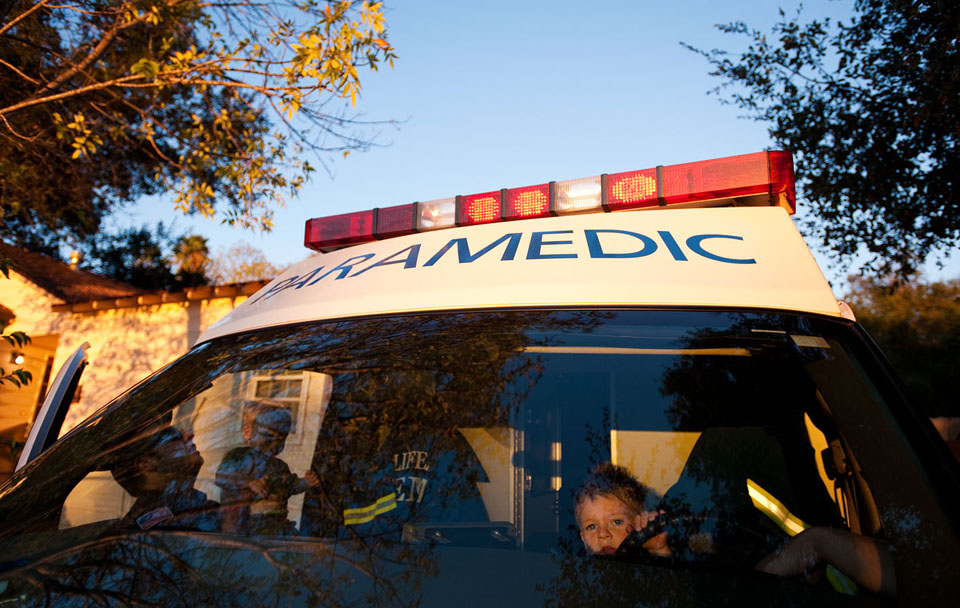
(258, 487)
(311, 479)
(656, 545)
(645, 517)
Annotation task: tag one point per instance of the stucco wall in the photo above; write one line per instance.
(30, 303)
(126, 344)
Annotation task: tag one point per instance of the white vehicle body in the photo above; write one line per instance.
(751, 257)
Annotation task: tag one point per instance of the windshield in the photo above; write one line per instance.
(413, 459)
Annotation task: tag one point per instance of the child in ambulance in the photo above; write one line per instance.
(255, 485)
(609, 507)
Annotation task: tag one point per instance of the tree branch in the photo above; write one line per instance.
(5, 8)
(19, 73)
(103, 45)
(93, 87)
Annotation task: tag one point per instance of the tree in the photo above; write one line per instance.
(192, 257)
(241, 263)
(871, 110)
(146, 258)
(101, 103)
(917, 325)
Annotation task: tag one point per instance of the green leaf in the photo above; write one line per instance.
(147, 68)
(17, 338)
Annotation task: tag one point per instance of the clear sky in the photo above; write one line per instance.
(495, 94)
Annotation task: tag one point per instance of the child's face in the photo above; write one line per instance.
(264, 438)
(605, 521)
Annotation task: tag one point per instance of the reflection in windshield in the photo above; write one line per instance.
(403, 461)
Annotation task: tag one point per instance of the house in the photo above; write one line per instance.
(131, 333)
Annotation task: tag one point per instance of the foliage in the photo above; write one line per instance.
(871, 111)
(16, 339)
(240, 263)
(15, 448)
(153, 260)
(917, 325)
(18, 377)
(101, 103)
(191, 255)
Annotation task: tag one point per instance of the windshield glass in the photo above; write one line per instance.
(522, 456)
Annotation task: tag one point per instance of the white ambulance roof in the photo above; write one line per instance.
(747, 257)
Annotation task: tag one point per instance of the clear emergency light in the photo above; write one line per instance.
(760, 179)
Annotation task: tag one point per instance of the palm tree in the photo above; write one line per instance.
(191, 256)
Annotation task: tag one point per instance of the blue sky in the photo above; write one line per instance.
(498, 94)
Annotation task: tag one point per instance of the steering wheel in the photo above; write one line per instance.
(680, 529)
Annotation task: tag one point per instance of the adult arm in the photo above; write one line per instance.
(866, 560)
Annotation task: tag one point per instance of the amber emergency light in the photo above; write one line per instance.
(760, 179)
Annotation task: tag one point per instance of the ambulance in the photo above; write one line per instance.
(429, 411)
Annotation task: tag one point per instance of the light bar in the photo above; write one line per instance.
(763, 178)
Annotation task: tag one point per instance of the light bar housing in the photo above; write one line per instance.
(759, 179)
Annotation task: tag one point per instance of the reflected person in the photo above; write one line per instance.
(255, 484)
(159, 469)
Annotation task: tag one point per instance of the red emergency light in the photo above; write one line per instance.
(395, 221)
(763, 178)
(479, 208)
(527, 202)
(631, 190)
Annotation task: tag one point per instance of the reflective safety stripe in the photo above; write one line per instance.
(840, 581)
(774, 509)
(767, 504)
(362, 515)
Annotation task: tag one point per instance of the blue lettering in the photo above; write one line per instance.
(537, 242)
(408, 262)
(284, 284)
(696, 246)
(596, 249)
(305, 279)
(344, 267)
(463, 249)
(672, 246)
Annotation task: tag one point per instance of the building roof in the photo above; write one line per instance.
(203, 292)
(69, 284)
(83, 291)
